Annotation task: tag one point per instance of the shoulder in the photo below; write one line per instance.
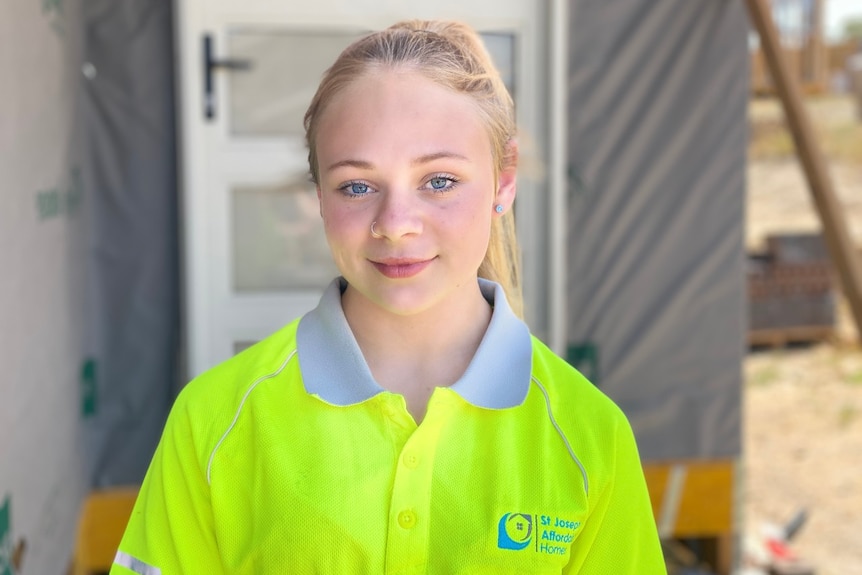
(569, 390)
(225, 383)
(207, 405)
(593, 424)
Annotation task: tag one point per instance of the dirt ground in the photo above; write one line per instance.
(803, 405)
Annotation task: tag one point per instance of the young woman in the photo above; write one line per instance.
(410, 423)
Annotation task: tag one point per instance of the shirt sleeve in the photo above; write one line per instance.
(171, 529)
(620, 535)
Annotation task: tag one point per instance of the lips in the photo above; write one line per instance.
(401, 268)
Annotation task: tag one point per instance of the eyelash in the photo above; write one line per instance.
(345, 188)
(451, 180)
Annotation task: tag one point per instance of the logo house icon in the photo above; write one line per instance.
(515, 531)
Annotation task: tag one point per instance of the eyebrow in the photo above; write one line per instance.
(364, 165)
(436, 156)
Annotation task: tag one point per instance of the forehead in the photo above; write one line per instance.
(395, 113)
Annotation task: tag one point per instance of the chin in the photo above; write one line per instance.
(403, 303)
(402, 300)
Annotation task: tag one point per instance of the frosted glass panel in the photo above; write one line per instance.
(271, 97)
(278, 239)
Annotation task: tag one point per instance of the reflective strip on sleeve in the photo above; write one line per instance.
(135, 565)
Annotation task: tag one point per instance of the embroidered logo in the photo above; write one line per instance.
(515, 531)
(555, 534)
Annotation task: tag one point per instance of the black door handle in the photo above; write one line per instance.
(210, 65)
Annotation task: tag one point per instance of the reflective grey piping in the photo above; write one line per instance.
(563, 435)
(239, 409)
(135, 565)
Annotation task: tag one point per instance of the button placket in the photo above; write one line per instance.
(407, 541)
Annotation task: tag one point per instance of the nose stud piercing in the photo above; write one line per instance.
(498, 208)
(373, 233)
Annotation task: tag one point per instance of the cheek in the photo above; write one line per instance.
(340, 226)
(473, 229)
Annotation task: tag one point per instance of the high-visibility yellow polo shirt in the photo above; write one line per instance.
(290, 458)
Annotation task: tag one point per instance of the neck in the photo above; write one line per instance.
(412, 355)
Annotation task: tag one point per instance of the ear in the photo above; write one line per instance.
(507, 179)
(319, 204)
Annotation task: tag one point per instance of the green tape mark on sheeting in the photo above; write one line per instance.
(56, 202)
(6, 538)
(584, 357)
(49, 6)
(53, 12)
(89, 389)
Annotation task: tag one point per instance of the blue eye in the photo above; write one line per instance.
(439, 183)
(355, 189)
(358, 188)
(442, 183)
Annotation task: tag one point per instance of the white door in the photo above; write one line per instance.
(255, 256)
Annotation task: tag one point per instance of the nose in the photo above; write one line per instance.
(399, 214)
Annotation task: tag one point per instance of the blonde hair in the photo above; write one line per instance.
(452, 55)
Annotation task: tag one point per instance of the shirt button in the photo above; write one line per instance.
(407, 519)
(411, 460)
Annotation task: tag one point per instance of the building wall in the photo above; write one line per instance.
(41, 283)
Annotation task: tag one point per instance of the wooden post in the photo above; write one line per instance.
(819, 78)
(835, 230)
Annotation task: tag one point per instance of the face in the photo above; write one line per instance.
(413, 158)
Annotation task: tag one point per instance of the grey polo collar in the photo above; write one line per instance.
(333, 367)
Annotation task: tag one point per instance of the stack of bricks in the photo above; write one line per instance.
(791, 296)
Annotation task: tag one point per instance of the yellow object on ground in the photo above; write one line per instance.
(103, 520)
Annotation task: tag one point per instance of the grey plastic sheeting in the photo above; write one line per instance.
(657, 102)
(130, 176)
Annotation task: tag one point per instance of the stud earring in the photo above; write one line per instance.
(498, 208)
(373, 233)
